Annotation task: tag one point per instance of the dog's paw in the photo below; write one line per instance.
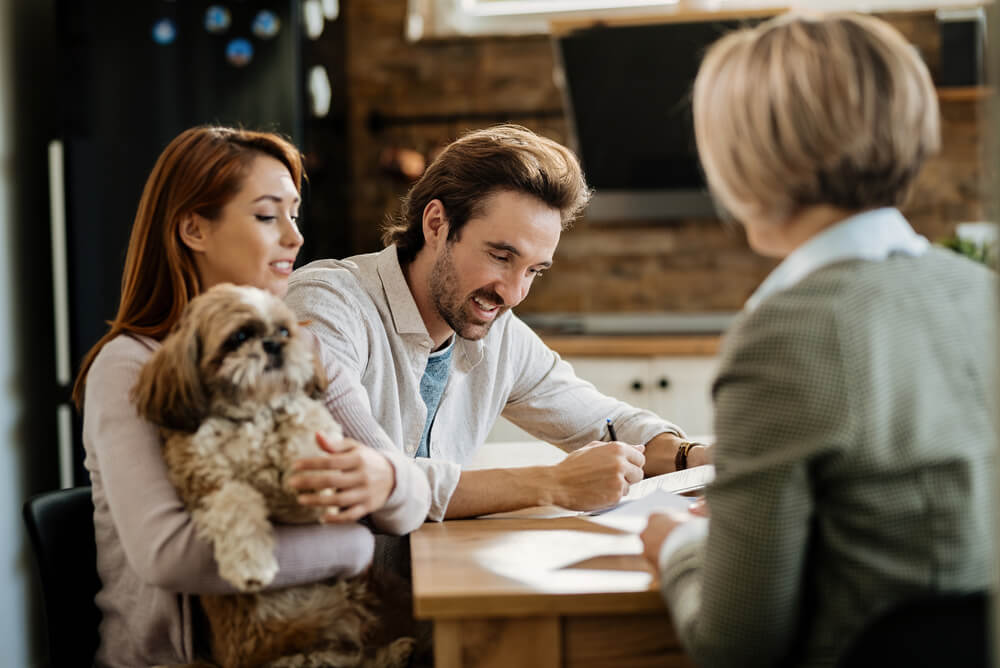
(396, 654)
(248, 571)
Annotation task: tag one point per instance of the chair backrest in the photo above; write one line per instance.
(936, 630)
(61, 527)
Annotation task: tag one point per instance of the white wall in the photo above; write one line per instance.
(13, 579)
(993, 76)
(27, 461)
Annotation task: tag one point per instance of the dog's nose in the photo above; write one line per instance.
(271, 347)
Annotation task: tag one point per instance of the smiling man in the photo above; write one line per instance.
(425, 329)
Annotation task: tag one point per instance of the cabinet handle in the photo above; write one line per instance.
(637, 385)
(60, 271)
(664, 383)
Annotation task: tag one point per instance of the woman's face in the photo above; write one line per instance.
(256, 237)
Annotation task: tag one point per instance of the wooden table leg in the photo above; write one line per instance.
(622, 641)
(531, 642)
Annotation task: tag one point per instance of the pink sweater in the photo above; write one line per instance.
(148, 556)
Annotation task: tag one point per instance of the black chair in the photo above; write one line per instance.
(934, 631)
(61, 527)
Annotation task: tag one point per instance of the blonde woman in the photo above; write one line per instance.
(855, 403)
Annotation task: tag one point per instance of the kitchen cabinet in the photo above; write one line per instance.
(678, 388)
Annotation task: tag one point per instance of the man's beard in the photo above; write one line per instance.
(452, 307)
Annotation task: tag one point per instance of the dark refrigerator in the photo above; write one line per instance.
(131, 76)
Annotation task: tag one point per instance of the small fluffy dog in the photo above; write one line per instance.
(234, 390)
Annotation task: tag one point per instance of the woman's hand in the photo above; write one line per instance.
(699, 508)
(351, 482)
(660, 525)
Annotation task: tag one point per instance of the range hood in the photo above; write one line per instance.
(713, 322)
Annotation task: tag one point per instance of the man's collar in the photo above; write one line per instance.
(405, 314)
(871, 235)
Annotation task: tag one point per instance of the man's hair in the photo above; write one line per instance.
(503, 158)
(802, 110)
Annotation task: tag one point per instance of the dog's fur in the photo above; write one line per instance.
(234, 390)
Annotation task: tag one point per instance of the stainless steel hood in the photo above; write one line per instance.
(713, 322)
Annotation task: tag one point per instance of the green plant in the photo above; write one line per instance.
(985, 252)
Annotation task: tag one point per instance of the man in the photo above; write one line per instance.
(425, 328)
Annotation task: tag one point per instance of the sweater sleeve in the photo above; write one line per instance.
(408, 504)
(151, 523)
(781, 402)
(552, 403)
(423, 486)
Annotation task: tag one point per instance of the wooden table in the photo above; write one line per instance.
(539, 593)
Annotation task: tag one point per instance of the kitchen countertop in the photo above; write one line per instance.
(586, 345)
(631, 334)
(625, 323)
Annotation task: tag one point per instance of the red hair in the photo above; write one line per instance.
(198, 172)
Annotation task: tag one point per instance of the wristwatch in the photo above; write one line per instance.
(681, 458)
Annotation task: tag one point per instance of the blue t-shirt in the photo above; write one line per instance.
(431, 388)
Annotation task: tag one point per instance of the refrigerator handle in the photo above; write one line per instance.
(60, 302)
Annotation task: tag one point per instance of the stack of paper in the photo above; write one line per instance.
(678, 482)
(631, 516)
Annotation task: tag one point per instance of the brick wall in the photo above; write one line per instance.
(419, 96)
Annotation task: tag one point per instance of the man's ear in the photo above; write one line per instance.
(193, 231)
(435, 223)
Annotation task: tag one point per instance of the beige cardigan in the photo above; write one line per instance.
(149, 558)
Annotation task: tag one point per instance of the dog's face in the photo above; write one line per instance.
(232, 345)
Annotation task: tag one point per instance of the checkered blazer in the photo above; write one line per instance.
(856, 424)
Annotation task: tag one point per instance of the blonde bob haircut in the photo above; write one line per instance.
(801, 110)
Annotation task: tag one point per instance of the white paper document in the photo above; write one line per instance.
(631, 516)
(677, 482)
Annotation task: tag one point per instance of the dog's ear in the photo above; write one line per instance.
(170, 392)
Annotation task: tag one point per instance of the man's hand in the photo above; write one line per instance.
(662, 448)
(597, 475)
(351, 482)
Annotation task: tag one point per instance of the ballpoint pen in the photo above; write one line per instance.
(611, 430)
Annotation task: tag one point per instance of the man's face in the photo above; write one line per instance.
(490, 267)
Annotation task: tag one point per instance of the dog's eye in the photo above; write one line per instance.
(237, 338)
(283, 331)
